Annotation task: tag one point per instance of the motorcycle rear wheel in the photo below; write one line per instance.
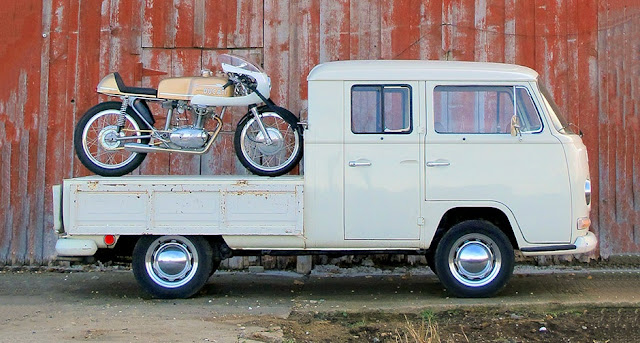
(274, 159)
(95, 143)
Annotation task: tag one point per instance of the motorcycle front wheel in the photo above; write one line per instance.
(96, 140)
(261, 158)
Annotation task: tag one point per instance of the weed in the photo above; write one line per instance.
(427, 316)
(427, 332)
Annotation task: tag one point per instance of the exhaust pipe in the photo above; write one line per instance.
(144, 148)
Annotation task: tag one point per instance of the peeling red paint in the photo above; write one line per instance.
(586, 51)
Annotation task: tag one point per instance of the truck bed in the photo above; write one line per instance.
(185, 205)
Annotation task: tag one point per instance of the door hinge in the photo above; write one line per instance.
(420, 221)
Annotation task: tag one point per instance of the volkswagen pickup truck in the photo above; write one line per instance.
(462, 162)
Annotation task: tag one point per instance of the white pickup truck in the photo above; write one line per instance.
(463, 162)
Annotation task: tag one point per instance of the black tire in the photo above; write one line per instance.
(109, 112)
(257, 156)
(431, 260)
(188, 265)
(474, 259)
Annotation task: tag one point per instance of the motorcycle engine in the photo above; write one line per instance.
(189, 137)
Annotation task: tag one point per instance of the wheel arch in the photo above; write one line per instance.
(500, 217)
(125, 244)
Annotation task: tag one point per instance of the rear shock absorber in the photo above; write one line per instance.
(123, 113)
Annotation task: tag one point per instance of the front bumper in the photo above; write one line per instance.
(582, 244)
(585, 244)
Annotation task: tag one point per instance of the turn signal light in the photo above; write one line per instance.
(584, 223)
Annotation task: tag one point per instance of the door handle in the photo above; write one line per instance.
(359, 163)
(438, 163)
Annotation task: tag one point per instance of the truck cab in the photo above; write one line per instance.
(463, 162)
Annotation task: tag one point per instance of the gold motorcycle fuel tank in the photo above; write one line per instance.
(184, 88)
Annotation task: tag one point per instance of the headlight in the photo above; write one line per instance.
(587, 191)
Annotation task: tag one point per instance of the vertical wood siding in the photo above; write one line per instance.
(56, 51)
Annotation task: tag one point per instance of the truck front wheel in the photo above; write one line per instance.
(474, 259)
(172, 266)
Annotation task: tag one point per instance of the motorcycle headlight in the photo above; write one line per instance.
(587, 191)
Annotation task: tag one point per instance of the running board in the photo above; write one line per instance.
(144, 148)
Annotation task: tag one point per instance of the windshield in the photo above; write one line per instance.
(559, 121)
(239, 62)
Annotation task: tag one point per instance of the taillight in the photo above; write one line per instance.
(109, 239)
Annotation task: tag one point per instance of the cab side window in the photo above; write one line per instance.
(381, 109)
(483, 109)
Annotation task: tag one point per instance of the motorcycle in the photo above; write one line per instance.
(114, 137)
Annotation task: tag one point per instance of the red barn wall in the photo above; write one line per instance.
(54, 52)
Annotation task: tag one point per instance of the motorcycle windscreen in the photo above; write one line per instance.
(239, 62)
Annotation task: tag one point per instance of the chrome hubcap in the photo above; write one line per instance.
(171, 261)
(276, 142)
(475, 260)
(107, 138)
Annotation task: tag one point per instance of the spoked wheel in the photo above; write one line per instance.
(99, 145)
(172, 266)
(474, 259)
(261, 158)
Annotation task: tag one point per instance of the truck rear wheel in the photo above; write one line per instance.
(172, 266)
(474, 259)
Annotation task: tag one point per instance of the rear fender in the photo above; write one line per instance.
(142, 109)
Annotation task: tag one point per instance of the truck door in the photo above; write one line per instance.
(381, 167)
(471, 156)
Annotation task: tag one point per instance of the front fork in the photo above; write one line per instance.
(263, 130)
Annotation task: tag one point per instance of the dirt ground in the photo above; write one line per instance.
(477, 325)
(406, 305)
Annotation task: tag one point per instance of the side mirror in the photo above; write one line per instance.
(515, 127)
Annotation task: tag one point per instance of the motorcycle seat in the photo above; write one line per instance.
(133, 90)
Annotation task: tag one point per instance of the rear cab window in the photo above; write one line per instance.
(381, 109)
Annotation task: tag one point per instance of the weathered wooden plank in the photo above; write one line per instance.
(400, 29)
(86, 75)
(490, 30)
(244, 23)
(304, 52)
(586, 19)
(364, 30)
(431, 30)
(520, 29)
(158, 29)
(211, 24)
(182, 15)
(19, 106)
(276, 51)
(458, 31)
(334, 30)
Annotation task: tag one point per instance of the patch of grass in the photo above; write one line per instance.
(427, 316)
(358, 324)
(426, 332)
